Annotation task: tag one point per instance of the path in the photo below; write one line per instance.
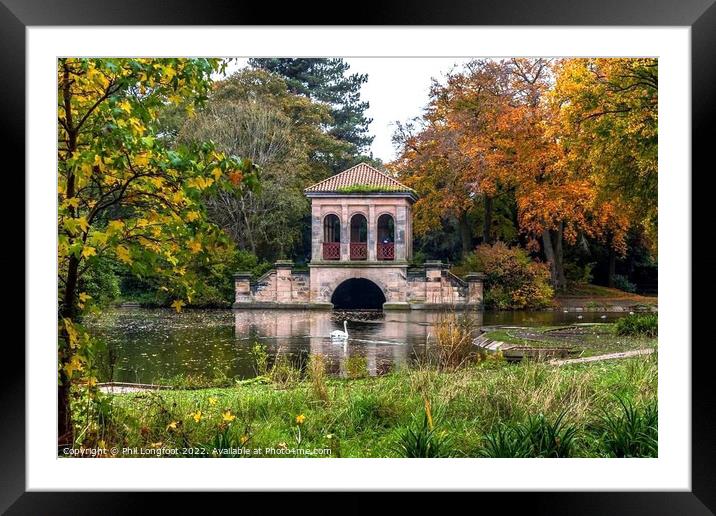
(609, 356)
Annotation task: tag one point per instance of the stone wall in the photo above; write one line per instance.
(430, 286)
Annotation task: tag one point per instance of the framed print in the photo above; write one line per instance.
(419, 252)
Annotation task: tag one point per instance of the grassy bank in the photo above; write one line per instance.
(486, 409)
(584, 339)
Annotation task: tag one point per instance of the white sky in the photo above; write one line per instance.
(397, 90)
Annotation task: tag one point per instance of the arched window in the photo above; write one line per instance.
(331, 237)
(386, 238)
(359, 237)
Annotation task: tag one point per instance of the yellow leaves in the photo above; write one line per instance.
(72, 333)
(216, 173)
(83, 298)
(136, 126)
(192, 216)
(99, 238)
(125, 106)
(115, 226)
(73, 225)
(200, 183)
(123, 254)
(172, 426)
(194, 246)
(76, 363)
(88, 251)
(177, 305)
(99, 163)
(142, 159)
(158, 182)
(74, 202)
(168, 73)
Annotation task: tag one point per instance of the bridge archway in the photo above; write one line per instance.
(358, 294)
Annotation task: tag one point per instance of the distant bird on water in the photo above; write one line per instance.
(340, 335)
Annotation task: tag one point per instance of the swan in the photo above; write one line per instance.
(341, 335)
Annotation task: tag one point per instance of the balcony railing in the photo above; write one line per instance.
(359, 251)
(386, 251)
(331, 250)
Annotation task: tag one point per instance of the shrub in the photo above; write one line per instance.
(579, 274)
(512, 280)
(454, 338)
(623, 283)
(101, 282)
(283, 373)
(260, 356)
(317, 374)
(641, 325)
(536, 437)
(633, 432)
(356, 367)
(422, 440)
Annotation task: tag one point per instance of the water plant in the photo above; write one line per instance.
(643, 325)
(317, 375)
(356, 367)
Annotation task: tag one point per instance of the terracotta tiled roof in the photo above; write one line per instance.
(361, 174)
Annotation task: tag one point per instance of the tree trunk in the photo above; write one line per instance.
(612, 267)
(465, 234)
(552, 244)
(559, 257)
(487, 227)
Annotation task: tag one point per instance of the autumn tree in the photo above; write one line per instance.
(124, 194)
(607, 125)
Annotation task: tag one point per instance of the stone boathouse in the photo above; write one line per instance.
(361, 252)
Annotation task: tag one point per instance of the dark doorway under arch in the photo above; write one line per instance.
(358, 294)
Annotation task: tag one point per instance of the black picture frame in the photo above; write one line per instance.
(700, 15)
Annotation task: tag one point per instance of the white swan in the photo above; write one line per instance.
(341, 335)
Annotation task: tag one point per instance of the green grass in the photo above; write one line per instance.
(593, 339)
(387, 416)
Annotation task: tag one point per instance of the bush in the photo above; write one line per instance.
(536, 437)
(633, 432)
(356, 367)
(317, 374)
(422, 440)
(623, 283)
(639, 325)
(579, 274)
(101, 282)
(454, 338)
(512, 280)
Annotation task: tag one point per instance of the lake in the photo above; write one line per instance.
(156, 345)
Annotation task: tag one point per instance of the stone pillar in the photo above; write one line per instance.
(372, 234)
(433, 281)
(316, 234)
(242, 288)
(283, 281)
(345, 232)
(475, 287)
(400, 233)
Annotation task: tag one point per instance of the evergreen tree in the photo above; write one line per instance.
(327, 80)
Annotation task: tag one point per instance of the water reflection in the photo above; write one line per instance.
(157, 345)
